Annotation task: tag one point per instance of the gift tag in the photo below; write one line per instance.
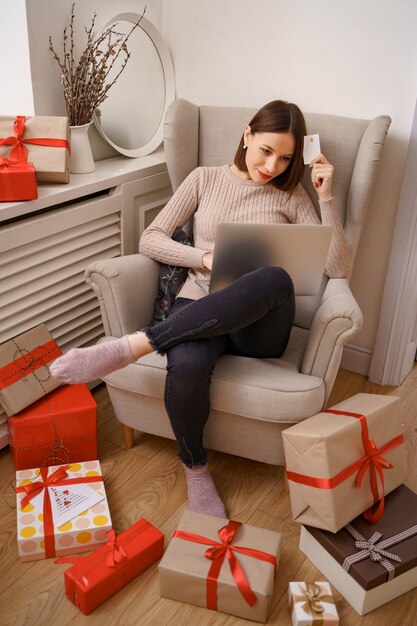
(68, 502)
(311, 148)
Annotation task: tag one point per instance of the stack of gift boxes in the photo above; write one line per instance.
(345, 467)
(32, 149)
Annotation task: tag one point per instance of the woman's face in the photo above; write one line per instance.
(268, 154)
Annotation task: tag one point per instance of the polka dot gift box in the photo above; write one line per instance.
(61, 510)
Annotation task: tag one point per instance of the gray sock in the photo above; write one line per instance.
(81, 365)
(202, 492)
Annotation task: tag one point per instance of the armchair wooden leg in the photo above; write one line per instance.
(127, 432)
(286, 488)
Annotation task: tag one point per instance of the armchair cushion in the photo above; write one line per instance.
(264, 389)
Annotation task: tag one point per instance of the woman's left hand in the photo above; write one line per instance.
(322, 177)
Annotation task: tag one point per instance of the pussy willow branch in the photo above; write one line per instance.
(86, 83)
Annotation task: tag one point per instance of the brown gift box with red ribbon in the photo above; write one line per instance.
(221, 565)
(94, 578)
(61, 428)
(24, 368)
(343, 461)
(41, 140)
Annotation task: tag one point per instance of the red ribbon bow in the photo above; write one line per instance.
(58, 477)
(4, 162)
(19, 151)
(117, 553)
(372, 461)
(218, 552)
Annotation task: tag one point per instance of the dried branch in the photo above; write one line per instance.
(86, 83)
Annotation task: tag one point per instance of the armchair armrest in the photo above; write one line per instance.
(126, 288)
(336, 321)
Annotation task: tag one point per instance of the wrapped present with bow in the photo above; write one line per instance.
(24, 368)
(61, 510)
(58, 429)
(312, 604)
(17, 181)
(221, 565)
(96, 577)
(41, 140)
(369, 564)
(345, 460)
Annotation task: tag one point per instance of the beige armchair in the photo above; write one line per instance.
(252, 400)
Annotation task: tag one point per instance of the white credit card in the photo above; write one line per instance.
(311, 148)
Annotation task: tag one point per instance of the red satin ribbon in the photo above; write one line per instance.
(218, 552)
(117, 553)
(28, 363)
(4, 162)
(19, 151)
(57, 478)
(372, 461)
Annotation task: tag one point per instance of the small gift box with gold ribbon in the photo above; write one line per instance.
(221, 565)
(61, 510)
(343, 461)
(41, 140)
(312, 604)
(94, 578)
(24, 368)
(369, 564)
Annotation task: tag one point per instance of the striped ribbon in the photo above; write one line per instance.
(374, 549)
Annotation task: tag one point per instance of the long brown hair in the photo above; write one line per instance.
(279, 116)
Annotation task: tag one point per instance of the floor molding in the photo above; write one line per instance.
(356, 359)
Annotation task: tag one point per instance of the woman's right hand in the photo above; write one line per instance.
(208, 260)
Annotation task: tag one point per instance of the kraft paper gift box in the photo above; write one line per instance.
(17, 181)
(24, 368)
(96, 577)
(342, 461)
(312, 604)
(46, 140)
(61, 510)
(369, 564)
(195, 567)
(60, 428)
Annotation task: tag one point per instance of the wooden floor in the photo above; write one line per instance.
(147, 481)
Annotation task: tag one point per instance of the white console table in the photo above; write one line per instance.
(45, 245)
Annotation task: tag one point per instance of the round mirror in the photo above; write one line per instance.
(131, 118)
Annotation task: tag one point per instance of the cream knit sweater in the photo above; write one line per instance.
(214, 194)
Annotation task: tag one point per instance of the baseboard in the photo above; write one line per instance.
(356, 359)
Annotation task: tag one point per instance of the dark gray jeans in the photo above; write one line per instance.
(251, 317)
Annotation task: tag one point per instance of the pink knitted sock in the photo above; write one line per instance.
(81, 365)
(202, 492)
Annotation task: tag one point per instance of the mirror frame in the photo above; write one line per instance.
(169, 80)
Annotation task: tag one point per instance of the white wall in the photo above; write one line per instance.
(356, 58)
(49, 17)
(16, 96)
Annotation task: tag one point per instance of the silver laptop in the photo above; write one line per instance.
(301, 249)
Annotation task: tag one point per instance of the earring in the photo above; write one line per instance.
(245, 145)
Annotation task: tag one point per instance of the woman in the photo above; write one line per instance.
(253, 316)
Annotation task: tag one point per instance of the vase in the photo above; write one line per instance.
(82, 160)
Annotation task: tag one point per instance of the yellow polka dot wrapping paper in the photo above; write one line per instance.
(84, 532)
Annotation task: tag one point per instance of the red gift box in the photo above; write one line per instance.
(96, 577)
(17, 181)
(59, 428)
